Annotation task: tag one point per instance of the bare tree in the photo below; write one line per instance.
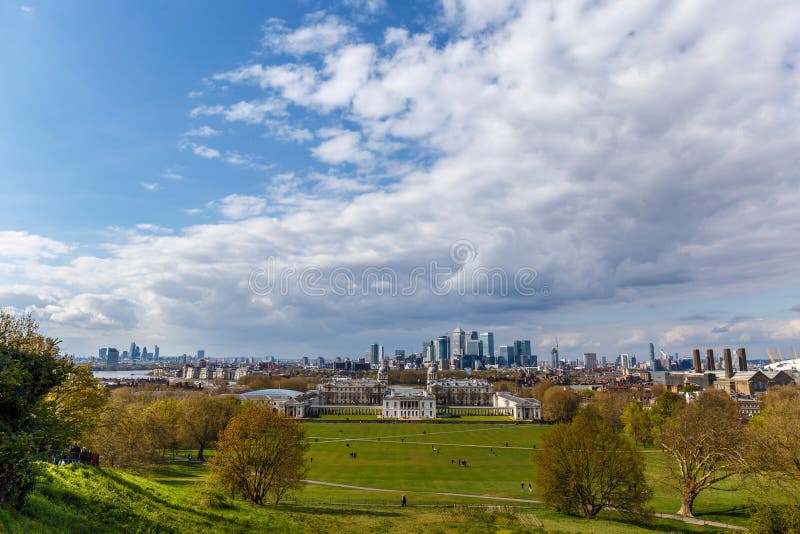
(705, 440)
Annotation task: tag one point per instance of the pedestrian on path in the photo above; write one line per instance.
(522, 486)
(403, 501)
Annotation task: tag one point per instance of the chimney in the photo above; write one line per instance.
(696, 358)
(726, 356)
(710, 359)
(742, 355)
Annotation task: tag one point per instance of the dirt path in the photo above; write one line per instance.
(691, 520)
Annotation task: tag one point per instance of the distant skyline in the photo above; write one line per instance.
(637, 163)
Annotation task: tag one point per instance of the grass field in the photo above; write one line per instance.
(401, 457)
(398, 457)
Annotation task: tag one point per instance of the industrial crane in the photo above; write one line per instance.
(771, 359)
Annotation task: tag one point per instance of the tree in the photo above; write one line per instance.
(637, 423)
(587, 466)
(202, 418)
(705, 440)
(40, 393)
(775, 437)
(540, 388)
(260, 453)
(124, 436)
(560, 404)
(667, 404)
(610, 405)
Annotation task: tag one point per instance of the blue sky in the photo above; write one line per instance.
(639, 160)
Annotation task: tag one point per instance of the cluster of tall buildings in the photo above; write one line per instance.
(112, 356)
(473, 350)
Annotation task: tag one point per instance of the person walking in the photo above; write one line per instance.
(522, 486)
(403, 501)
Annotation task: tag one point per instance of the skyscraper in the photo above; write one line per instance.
(554, 360)
(459, 341)
(155, 353)
(112, 356)
(442, 352)
(374, 353)
(101, 354)
(201, 354)
(474, 348)
(522, 351)
(590, 360)
(487, 342)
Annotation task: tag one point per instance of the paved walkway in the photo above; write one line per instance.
(676, 517)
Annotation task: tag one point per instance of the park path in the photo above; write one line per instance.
(676, 517)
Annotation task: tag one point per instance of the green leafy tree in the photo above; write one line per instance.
(586, 466)
(202, 417)
(40, 404)
(560, 404)
(637, 423)
(260, 454)
(667, 404)
(705, 439)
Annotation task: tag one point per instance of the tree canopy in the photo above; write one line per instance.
(260, 454)
(587, 466)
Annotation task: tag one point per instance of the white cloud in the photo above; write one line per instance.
(240, 206)
(205, 152)
(14, 244)
(26, 9)
(171, 174)
(320, 33)
(151, 186)
(248, 112)
(341, 146)
(202, 131)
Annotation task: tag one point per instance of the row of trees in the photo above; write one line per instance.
(587, 464)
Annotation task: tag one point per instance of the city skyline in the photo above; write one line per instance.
(606, 188)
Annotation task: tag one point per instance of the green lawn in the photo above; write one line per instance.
(400, 457)
(395, 457)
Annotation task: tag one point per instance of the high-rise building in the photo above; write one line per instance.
(505, 355)
(652, 353)
(155, 353)
(625, 360)
(590, 360)
(487, 342)
(474, 348)
(522, 352)
(132, 351)
(374, 353)
(201, 354)
(442, 349)
(555, 363)
(101, 353)
(145, 355)
(459, 341)
(399, 353)
(112, 356)
(473, 334)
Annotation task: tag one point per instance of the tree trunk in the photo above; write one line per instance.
(687, 503)
(200, 451)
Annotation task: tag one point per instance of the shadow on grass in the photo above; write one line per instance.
(139, 490)
(339, 511)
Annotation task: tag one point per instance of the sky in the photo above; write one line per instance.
(308, 178)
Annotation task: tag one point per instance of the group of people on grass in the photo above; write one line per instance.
(76, 455)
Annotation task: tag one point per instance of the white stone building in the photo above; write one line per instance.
(408, 403)
(522, 409)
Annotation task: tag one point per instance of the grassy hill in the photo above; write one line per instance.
(396, 459)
